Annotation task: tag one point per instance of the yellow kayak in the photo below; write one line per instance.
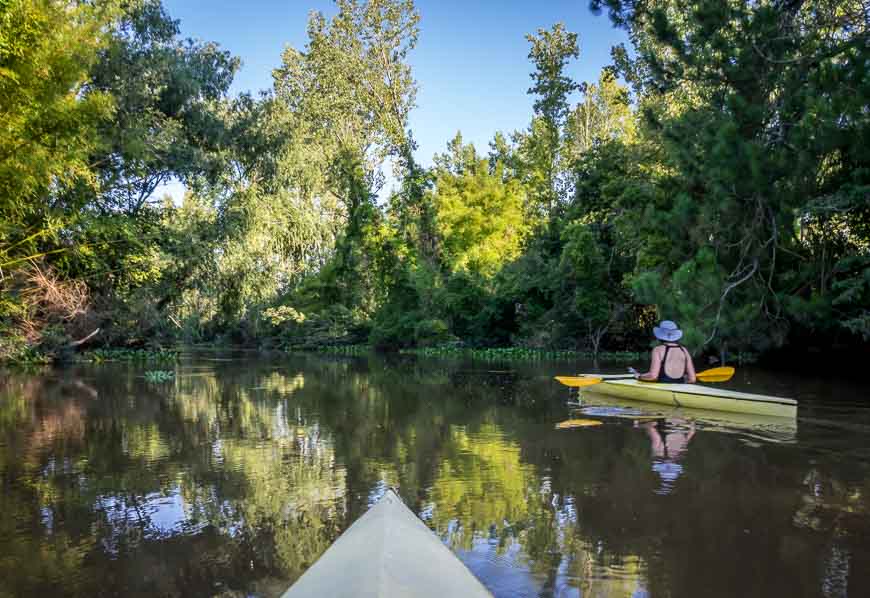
(695, 396)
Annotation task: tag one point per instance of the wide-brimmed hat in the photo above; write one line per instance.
(668, 331)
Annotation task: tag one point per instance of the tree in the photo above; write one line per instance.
(165, 90)
(772, 133)
(50, 126)
(597, 298)
(350, 92)
(247, 240)
(538, 148)
(362, 53)
(604, 114)
(551, 51)
(479, 215)
(601, 248)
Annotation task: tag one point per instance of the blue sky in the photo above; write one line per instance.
(471, 63)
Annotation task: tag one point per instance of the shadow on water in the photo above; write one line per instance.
(233, 477)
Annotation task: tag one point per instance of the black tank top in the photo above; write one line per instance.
(663, 376)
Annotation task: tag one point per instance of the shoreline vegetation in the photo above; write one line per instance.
(493, 354)
(149, 356)
(716, 173)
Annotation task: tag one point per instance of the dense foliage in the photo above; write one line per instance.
(717, 174)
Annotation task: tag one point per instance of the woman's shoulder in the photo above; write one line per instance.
(658, 350)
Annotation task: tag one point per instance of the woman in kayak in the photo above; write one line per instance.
(671, 361)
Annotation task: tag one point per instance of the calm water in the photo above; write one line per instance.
(232, 478)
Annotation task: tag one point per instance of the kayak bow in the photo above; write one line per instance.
(387, 553)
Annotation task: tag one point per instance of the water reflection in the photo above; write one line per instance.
(669, 440)
(231, 479)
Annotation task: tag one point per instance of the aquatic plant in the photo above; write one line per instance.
(130, 355)
(157, 376)
(522, 354)
(346, 349)
(24, 355)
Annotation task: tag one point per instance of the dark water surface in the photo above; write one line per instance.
(232, 478)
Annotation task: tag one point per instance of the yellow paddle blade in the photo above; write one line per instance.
(577, 423)
(722, 374)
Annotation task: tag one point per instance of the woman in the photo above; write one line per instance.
(671, 361)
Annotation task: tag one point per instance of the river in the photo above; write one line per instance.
(230, 478)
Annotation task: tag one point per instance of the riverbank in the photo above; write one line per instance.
(835, 361)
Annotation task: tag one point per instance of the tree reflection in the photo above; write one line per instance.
(235, 478)
(481, 487)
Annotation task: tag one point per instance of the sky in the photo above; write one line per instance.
(471, 62)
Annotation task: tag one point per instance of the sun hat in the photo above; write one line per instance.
(667, 331)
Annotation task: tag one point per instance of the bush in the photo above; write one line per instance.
(432, 332)
(335, 325)
(392, 330)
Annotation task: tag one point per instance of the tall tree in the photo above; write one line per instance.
(604, 114)
(550, 53)
(351, 90)
(166, 123)
(773, 134)
(479, 215)
(539, 147)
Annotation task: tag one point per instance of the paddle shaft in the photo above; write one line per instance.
(720, 374)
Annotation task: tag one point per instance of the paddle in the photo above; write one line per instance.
(721, 374)
(578, 423)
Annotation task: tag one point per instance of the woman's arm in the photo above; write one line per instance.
(691, 378)
(654, 366)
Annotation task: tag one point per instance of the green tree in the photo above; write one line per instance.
(50, 125)
(771, 134)
(593, 268)
(551, 51)
(165, 91)
(479, 215)
(351, 91)
(604, 114)
(539, 148)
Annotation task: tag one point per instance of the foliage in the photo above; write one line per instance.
(539, 148)
(165, 91)
(767, 146)
(158, 376)
(50, 126)
(350, 92)
(604, 114)
(331, 327)
(523, 354)
(130, 355)
(597, 297)
(479, 215)
(551, 50)
(90, 218)
(715, 174)
(16, 349)
(346, 350)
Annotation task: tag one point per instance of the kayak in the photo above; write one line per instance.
(387, 553)
(695, 396)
